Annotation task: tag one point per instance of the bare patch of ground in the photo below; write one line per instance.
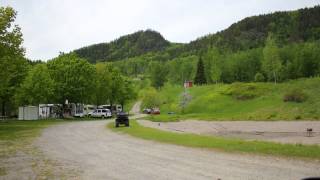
(275, 131)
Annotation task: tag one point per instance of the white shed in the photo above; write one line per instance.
(28, 113)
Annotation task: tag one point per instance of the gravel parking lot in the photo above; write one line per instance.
(98, 153)
(276, 131)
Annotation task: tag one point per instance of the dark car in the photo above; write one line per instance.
(147, 111)
(122, 118)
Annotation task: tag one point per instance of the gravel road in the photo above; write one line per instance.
(277, 131)
(98, 153)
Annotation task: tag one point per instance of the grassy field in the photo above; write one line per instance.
(243, 101)
(218, 143)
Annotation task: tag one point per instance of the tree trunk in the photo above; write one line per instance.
(275, 78)
(62, 110)
(3, 111)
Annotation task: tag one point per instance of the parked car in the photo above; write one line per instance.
(155, 111)
(147, 111)
(122, 118)
(101, 113)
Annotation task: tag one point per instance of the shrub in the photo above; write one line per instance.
(259, 77)
(295, 95)
(151, 98)
(244, 91)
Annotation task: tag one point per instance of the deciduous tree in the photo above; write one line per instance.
(271, 63)
(37, 87)
(13, 66)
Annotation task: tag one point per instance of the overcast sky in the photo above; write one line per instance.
(51, 26)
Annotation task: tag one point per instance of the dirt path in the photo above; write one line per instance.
(276, 131)
(98, 153)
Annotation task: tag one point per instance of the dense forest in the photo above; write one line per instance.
(287, 27)
(273, 47)
(132, 45)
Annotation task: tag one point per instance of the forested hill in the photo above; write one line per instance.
(127, 46)
(287, 27)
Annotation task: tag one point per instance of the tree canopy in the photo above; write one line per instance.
(13, 66)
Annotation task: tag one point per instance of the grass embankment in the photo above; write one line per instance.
(225, 144)
(243, 101)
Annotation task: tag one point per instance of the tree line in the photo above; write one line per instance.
(66, 77)
(71, 78)
(273, 62)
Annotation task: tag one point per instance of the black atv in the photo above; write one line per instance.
(122, 118)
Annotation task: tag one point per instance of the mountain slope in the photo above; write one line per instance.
(287, 27)
(127, 46)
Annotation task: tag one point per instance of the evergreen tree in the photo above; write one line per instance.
(200, 74)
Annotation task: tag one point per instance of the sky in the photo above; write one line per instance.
(53, 26)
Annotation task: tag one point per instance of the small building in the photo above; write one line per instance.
(28, 113)
(187, 84)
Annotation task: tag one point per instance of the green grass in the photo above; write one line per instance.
(242, 101)
(219, 143)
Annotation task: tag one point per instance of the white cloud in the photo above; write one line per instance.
(58, 25)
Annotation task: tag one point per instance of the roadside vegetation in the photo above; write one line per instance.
(292, 100)
(219, 143)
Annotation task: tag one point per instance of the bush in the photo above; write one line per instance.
(295, 95)
(259, 77)
(151, 98)
(244, 91)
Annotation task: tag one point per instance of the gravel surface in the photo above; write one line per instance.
(99, 153)
(276, 131)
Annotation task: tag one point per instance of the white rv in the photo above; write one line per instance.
(117, 108)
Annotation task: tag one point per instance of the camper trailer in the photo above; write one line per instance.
(49, 111)
(114, 108)
(77, 110)
(88, 109)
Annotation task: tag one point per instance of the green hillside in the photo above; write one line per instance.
(288, 27)
(273, 47)
(127, 46)
(244, 101)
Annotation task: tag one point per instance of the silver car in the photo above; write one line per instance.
(101, 113)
